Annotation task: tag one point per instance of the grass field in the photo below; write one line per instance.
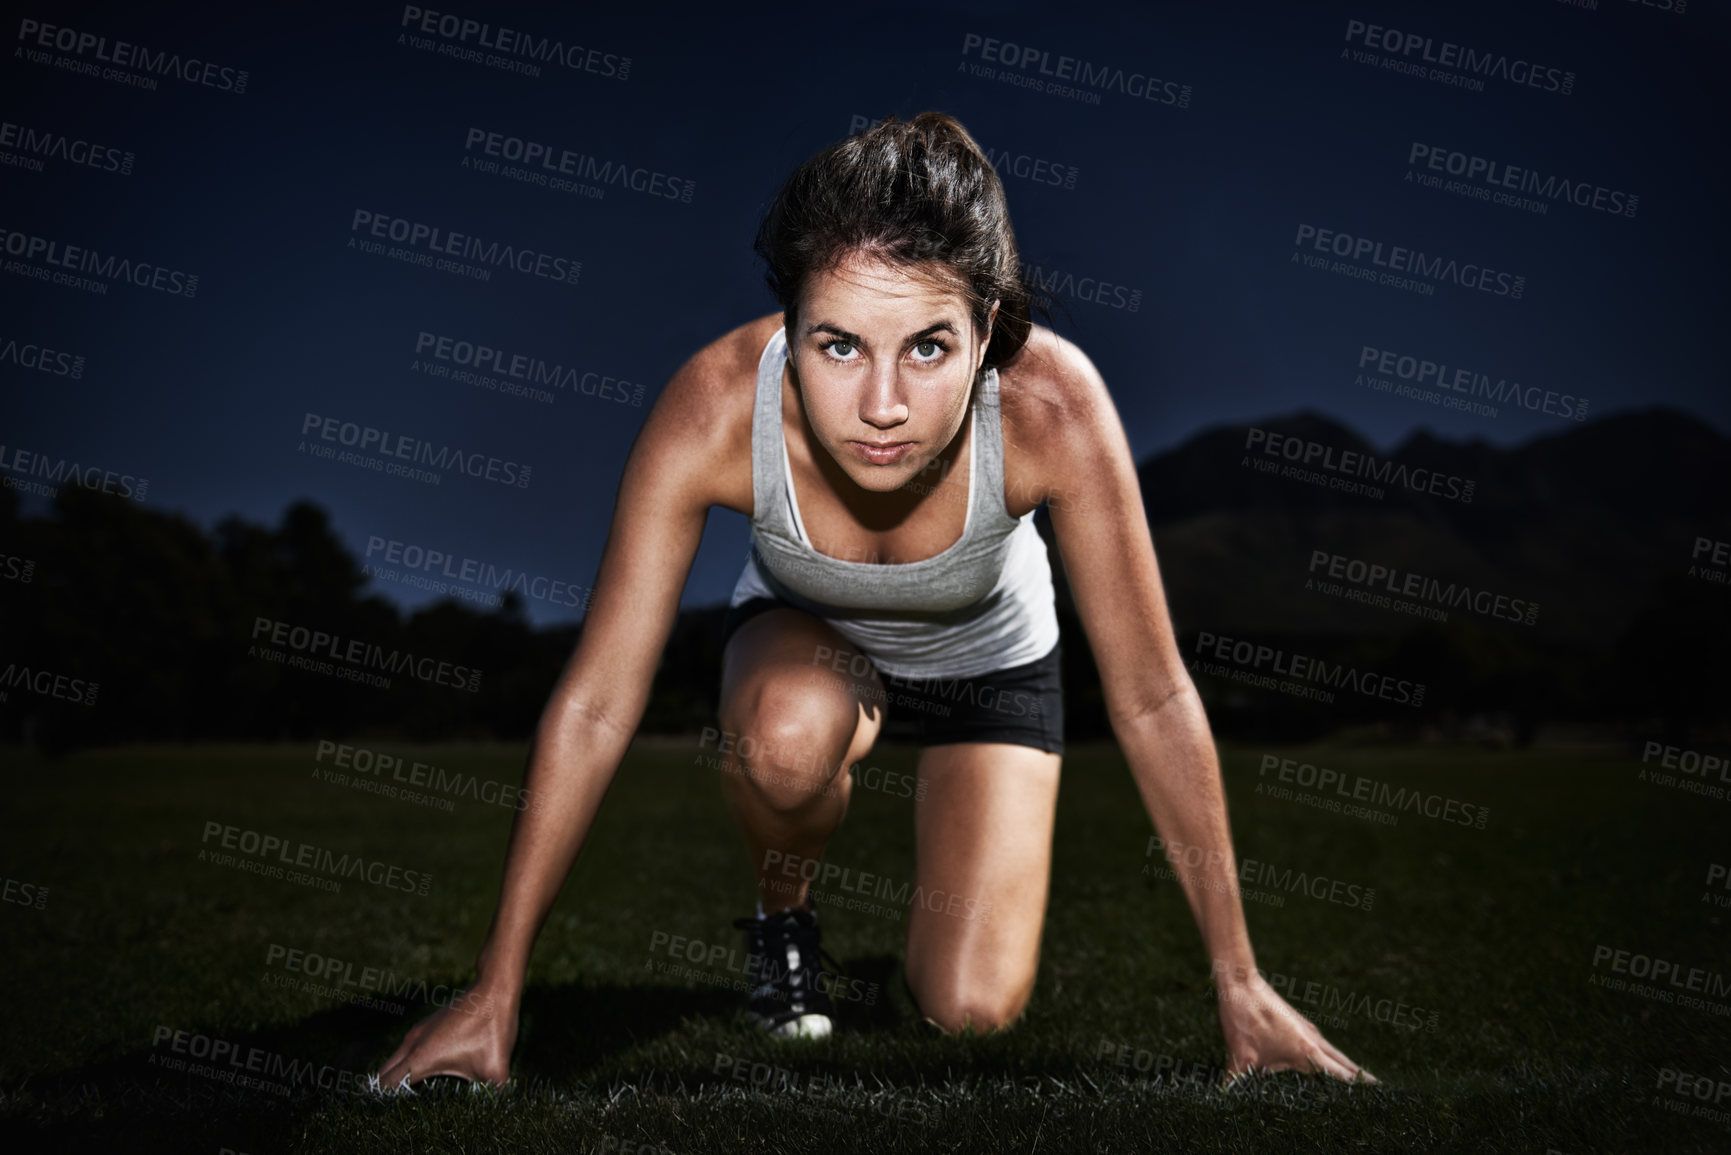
(1469, 986)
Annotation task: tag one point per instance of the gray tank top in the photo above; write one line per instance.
(958, 577)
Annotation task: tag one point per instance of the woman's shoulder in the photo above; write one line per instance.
(1049, 385)
(1059, 422)
(714, 390)
(704, 413)
(722, 373)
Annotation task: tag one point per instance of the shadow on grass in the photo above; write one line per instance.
(148, 1097)
(575, 1039)
(884, 974)
(569, 1032)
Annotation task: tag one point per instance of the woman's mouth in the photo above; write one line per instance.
(881, 453)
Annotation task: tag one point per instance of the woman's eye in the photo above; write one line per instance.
(927, 350)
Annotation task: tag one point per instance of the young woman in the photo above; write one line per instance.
(890, 433)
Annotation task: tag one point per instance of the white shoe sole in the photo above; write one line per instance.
(804, 1027)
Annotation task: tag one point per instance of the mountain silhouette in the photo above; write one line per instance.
(1589, 522)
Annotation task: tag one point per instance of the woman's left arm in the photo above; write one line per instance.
(1083, 467)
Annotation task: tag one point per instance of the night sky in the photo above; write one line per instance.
(1194, 204)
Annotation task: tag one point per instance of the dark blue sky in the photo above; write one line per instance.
(1196, 207)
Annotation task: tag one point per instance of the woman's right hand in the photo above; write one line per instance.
(470, 1038)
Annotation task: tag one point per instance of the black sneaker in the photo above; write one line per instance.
(792, 1000)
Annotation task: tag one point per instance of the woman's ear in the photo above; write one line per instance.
(991, 319)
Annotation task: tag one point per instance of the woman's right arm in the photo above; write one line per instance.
(685, 459)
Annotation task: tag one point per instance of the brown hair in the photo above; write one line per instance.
(916, 192)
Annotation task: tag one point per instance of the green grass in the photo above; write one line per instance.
(1493, 931)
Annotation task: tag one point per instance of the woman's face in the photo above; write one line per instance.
(885, 361)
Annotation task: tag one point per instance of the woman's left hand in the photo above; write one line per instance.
(1264, 1033)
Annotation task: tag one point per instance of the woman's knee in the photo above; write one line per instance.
(953, 1003)
(790, 740)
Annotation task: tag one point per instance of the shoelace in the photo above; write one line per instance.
(756, 925)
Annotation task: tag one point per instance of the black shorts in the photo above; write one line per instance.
(1022, 704)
